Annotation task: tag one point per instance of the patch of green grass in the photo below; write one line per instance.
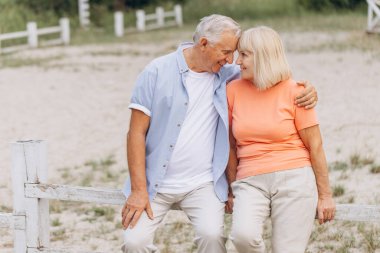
(55, 206)
(56, 222)
(338, 166)
(338, 190)
(107, 212)
(87, 179)
(371, 237)
(375, 169)
(59, 235)
(357, 161)
(5, 209)
(102, 163)
(10, 61)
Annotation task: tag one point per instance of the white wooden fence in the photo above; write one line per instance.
(31, 192)
(373, 16)
(150, 21)
(84, 12)
(32, 33)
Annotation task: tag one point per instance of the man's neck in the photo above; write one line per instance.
(193, 59)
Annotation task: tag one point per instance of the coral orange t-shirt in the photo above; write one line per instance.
(265, 125)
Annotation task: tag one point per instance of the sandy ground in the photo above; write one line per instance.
(77, 99)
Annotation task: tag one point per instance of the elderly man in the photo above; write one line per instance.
(177, 144)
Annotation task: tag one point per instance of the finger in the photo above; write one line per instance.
(320, 216)
(124, 218)
(128, 218)
(149, 211)
(125, 212)
(124, 208)
(304, 97)
(327, 215)
(303, 83)
(135, 219)
(312, 105)
(307, 91)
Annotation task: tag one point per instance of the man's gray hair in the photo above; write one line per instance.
(213, 26)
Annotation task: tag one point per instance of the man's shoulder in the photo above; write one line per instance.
(163, 61)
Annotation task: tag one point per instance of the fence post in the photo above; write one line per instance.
(84, 12)
(18, 179)
(140, 23)
(29, 166)
(160, 14)
(178, 14)
(32, 34)
(119, 24)
(65, 30)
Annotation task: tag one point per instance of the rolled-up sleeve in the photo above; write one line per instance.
(142, 95)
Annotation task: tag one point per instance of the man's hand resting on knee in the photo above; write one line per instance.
(136, 204)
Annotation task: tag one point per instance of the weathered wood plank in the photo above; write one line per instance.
(75, 193)
(352, 212)
(14, 35)
(49, 30)
(10, 221)
(115, 197)
(44, 250)
(18, 180)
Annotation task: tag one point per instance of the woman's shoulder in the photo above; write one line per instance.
(238, 84)
(291, 86)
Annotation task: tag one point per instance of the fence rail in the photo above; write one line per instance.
(31, 193)
(32, 33)
(144, 21)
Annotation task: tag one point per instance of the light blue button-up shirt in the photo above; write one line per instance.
(161, 94)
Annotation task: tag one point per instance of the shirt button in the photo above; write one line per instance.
(156, 185)
(178, 125)
(171, 146)
(164, 165)
(186, 104)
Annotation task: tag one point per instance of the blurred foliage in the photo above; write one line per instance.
(240, 9)
(320, 5)
(14, 14)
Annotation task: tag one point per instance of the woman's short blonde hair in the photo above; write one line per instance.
(270, 64)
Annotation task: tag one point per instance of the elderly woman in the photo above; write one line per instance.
(277, 163)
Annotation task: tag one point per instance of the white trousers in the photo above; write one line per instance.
(202, 206)
(288, 197)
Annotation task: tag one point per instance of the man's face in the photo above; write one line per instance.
(221, 52)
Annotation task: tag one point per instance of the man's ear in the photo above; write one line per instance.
(203, 42)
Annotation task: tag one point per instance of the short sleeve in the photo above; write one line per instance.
(142, 95)
(305, 118)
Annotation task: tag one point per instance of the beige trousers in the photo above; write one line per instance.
(202, 206)
(288, 197)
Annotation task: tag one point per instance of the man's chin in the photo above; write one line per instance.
(217, 68)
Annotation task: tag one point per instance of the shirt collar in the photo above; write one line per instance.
(182, 65)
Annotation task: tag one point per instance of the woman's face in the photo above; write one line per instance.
(245, 60)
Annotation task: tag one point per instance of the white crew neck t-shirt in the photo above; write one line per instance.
(191, 162)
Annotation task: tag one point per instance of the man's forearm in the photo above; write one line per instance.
(136, 160)
(231, 167)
